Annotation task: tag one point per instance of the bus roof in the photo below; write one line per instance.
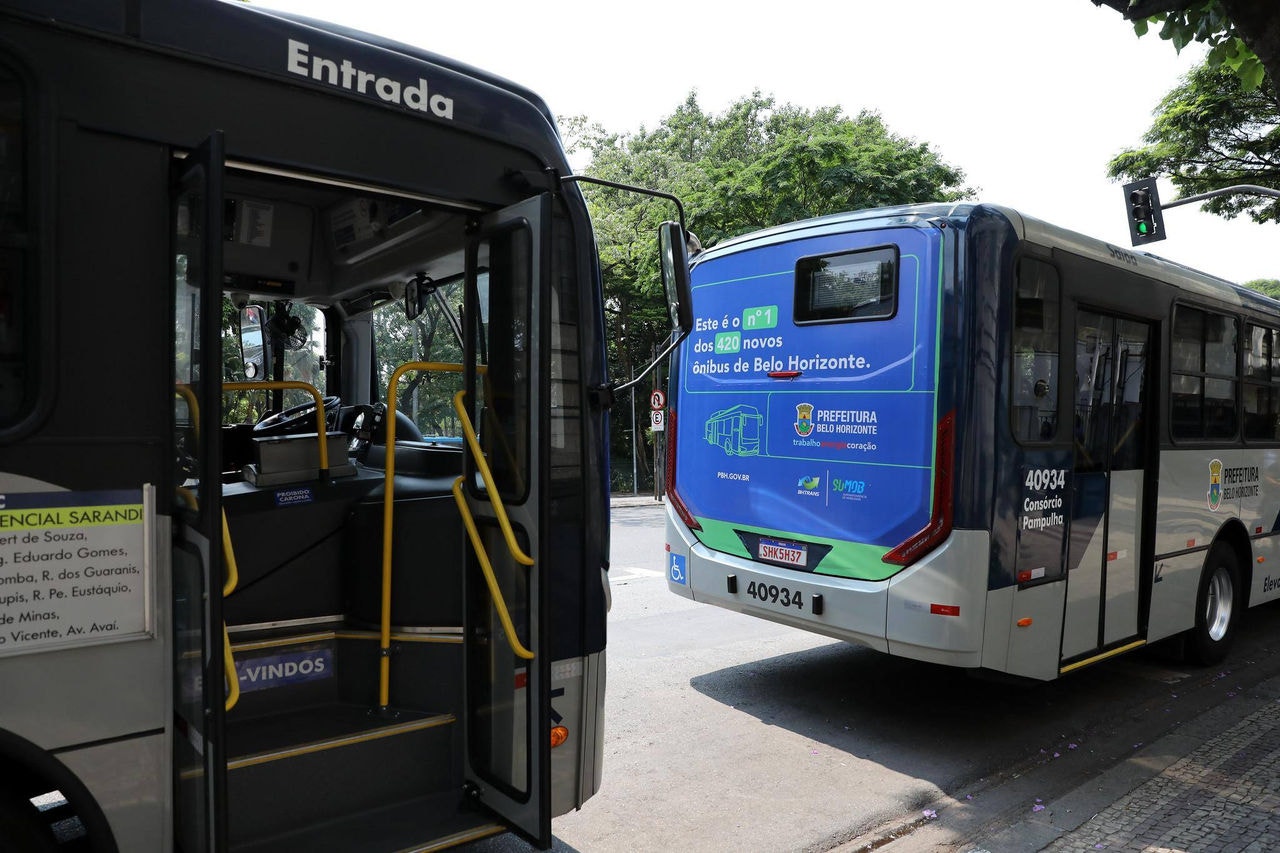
(320, 54)
(1025, 227)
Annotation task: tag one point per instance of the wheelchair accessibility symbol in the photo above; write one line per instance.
(676, 572)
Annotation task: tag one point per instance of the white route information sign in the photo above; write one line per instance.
(75, 568)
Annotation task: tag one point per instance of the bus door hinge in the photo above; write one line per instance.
(602, 396)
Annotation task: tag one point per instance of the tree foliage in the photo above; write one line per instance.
(1243, 36)
(757, 164)
(1268, 286)
(1210, 132)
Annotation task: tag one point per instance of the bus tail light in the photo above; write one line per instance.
(559, 734)
(670, 476)
(939, 527)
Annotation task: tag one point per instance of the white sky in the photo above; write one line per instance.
(1030, 98)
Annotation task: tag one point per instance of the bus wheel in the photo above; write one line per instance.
(21, 826)
(1217, 607)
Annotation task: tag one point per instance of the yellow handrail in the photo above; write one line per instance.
(271, 385)
(499, 603)
(468, 432)
(228, 552)
(228, 557)
(228, 587)
(229, 664)
(193, 406)
(388, 508)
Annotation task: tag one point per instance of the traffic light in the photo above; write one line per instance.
(1146, 222)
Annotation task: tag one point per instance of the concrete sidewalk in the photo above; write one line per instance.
(617, 500)
(1211, 787)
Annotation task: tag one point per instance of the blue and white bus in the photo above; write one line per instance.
(986, 442)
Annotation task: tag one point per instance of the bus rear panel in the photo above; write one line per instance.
(811, 413)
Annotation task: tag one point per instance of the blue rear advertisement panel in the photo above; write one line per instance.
(806, 432)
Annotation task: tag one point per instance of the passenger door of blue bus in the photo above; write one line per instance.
(199, 686)
(1112, 440)
(508, 676)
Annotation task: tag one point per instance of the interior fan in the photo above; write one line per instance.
(286, 330)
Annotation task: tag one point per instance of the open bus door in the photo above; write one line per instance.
(502, 494)
(199, 687)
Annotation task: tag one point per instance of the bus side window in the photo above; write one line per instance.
(1261, 375)
(1203, 374)
(1034, 341)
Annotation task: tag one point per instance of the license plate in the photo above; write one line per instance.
(787, 553)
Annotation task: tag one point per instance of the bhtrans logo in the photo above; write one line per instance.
(804, 419)
(344, 75)
(809, 485)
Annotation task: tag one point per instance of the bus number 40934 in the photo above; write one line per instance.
(774, 594)
(1042, 479)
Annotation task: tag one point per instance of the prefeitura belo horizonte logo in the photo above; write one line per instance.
(804, 419)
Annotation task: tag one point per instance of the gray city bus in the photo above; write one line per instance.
(303, 440)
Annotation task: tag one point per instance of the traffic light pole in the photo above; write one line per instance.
(1239, 188)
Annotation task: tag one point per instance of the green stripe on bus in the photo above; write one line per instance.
(851, 560)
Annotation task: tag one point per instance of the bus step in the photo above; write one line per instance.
(423, 823)
(290, 770)
(279, 671)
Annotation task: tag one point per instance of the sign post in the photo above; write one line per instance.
(658, 423)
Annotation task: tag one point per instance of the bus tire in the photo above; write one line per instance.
(21, 827)
(1218, 605)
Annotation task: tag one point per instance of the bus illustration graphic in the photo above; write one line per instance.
(735, 430)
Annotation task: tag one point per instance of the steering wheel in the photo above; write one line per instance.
(299, 418)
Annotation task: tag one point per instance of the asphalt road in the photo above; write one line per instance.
(725, 733)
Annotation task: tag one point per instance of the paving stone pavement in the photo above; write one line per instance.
(1223, 797)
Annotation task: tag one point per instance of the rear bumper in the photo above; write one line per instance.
(932, 611)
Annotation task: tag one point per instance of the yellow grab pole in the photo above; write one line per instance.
(499, 603)
(293, 386)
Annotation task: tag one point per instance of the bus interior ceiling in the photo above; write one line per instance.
(332, 244)
(304, 617)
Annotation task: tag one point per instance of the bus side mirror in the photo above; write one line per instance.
(675, 275)
(253, 354)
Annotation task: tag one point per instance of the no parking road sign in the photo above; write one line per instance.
(657, 421)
